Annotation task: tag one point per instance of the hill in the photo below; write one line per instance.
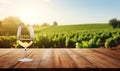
(71, 28)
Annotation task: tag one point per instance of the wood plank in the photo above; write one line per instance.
(35, 56)
(9, 60)
(97, 60)
(62, 59)
(80, 60)
(111, 61)
(111, 53)
(4, 52)
(47, 59)
(5, 60)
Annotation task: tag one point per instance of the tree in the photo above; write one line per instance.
(45, 24)
(0, 23)
(10, 25)
(36, 25)
(55, 23)
(114, 23)
(118, 24)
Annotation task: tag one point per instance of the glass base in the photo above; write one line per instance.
(25, 60)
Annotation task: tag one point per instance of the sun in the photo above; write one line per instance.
(28, 15)
(46, 0)
(35, 15)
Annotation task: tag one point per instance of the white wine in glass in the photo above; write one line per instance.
(25, 40)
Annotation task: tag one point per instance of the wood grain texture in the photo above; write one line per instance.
(61, 58)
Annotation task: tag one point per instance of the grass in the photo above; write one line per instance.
(71, 28)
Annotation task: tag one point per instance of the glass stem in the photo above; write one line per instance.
(25, 53)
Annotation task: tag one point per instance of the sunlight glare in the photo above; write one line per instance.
(33, 15)
(46, 0)
(28, 15)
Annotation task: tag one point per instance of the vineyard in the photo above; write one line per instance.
(69, 36)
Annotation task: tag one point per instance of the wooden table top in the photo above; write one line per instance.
(61, 58)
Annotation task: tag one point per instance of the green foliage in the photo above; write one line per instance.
(10, 25)
(116, 39)
(79, 45)
(7, 41)
(114, 23)
(109, 43)
(98, 42)
(80, 36)
(85, 44)
(70, 43)
(92, 43)
(55, 23)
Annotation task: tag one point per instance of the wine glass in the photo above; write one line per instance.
(25, 39)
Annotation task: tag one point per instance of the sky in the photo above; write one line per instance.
(64, 12)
